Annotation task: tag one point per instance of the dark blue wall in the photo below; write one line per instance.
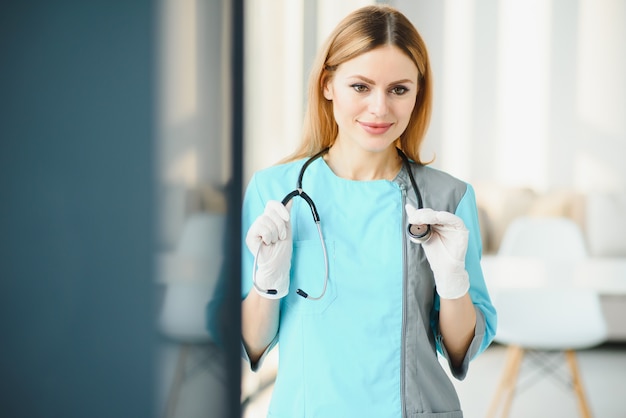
(77, 208)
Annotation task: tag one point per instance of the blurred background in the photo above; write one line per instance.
(129, 130)
(120, 185)
(529, 107)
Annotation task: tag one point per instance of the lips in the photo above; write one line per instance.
(375, 128)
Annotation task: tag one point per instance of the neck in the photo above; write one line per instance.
(363, 165)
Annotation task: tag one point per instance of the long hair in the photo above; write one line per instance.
(361, 31)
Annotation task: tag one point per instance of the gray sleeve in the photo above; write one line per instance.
(473, 349)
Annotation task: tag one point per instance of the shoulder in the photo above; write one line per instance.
(278, 171)
(440, 190)
(281, 173)
(437, 178)
(276, 181)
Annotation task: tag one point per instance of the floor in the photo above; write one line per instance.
(603, 370)
(192, 381)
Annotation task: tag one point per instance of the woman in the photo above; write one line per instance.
(381, 301)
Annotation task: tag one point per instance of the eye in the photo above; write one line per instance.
(359, 88)
(399, 90)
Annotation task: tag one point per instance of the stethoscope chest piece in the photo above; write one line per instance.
(419, 233)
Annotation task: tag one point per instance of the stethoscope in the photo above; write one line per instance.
(419, 233)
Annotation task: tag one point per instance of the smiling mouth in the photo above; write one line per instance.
(375, 128)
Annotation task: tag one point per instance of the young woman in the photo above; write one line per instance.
(372, 265)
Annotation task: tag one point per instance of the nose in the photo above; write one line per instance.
(378, 103)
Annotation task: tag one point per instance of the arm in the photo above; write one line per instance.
(466, 319)
(486, 316)
(259, 319)
(484, 312)
(268, 233)
(457, 322)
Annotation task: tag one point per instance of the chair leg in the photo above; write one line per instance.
(577, 382)
(179, 375)
(506, 388)
(517, 362)
(502, 384)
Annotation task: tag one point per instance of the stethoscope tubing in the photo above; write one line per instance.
(300, 292)
(419, 233)
(316, 218)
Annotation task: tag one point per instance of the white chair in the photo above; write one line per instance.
(538, 322)
(191, 276)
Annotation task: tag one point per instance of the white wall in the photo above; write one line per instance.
(194, 93)
(274, 77)
(528, 93)
(193, 105)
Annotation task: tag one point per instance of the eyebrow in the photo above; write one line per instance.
(370, 81)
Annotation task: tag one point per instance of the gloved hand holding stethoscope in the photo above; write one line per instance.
(445, 249)
(270, 240)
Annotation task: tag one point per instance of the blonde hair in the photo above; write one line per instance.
(361, 31)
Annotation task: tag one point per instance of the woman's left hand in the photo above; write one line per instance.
(445, 249)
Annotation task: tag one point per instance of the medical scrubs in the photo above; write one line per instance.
(369, 347)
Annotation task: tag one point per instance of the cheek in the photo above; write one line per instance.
(405, 110)
(403, 114)
(346, 106)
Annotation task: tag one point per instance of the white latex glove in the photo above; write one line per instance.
(445, 249)
(269, 239)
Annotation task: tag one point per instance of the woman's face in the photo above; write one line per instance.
(373, 97)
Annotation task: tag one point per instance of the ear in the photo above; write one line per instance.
(328, 93)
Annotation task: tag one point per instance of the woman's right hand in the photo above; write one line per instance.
(269, 240)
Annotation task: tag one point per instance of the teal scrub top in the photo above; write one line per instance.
(345, 355)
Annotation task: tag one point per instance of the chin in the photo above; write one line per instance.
(378, 146)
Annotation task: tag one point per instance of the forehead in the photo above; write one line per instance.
(383, 63)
